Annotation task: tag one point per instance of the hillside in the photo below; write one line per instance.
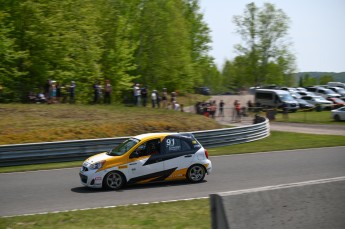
(24, 123)
(338, 77)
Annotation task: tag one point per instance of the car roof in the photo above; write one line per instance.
(272, 90)
(149, 136)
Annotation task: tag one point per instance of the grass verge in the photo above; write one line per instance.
(323, 117)
(181, 214)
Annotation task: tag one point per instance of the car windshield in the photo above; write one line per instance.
(285, 97)
(328, 91)
(302, 101)
(337, 100)
(123, 147)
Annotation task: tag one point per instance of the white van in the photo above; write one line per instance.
(269, 98)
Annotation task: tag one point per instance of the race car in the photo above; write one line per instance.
(147, 158)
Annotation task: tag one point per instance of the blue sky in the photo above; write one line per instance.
(317, 31)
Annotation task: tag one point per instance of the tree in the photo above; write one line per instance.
(9, 72)
(153, 42)
(264, 48)
(324, 79)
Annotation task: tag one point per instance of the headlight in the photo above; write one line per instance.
(97, 165)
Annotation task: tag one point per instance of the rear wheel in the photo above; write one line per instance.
(114, 180)
(196, 173)
(336, 118)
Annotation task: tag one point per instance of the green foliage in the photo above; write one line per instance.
(264, 56)
(313, 78)
(156, 43)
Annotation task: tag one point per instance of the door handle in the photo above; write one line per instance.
(132, 163)
(189, 155)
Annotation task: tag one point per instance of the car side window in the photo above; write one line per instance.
(175, 145)
(148, 148)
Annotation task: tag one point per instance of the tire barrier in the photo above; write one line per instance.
(308, 205)
(38, 153)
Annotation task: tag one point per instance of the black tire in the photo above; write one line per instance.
(337, 118)
(114, 180)
(196, 173)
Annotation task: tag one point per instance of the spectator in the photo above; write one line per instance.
(107, 92)
(47, 89)
(41, 98)
(173, 97)
(72, 92)
(238, 110)
(137, 94)
(165, 98)
(154, 98)
(158, 99)
(213, 108)
(175, 106)
(221, 108)
(52, 95)
(250, 105)
(96, 92)
(143, 93)
(58, 92)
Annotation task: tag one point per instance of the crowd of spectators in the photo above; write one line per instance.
(209, 109)
(53, 92)
(141, 97)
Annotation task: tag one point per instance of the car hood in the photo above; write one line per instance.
(97, 158)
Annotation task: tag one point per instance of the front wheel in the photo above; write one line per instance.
(196, 173)
(114, 180)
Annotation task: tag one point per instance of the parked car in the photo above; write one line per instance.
(301, 89)
(318, 101)
(336, 84)
(147, 158)
(324, 92)
(338, 114)
(305, 105)
(327, 93)
(203, 90)
(338, 90)
(305, 93)
(337, 102)
(269, 98)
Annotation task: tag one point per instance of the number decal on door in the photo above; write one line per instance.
(170, 142)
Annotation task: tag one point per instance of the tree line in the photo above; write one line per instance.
(156, 43)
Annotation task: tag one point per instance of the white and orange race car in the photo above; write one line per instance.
(148, 158)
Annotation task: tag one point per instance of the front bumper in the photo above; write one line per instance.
(91, 179)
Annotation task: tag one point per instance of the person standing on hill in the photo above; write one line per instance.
(143, 93)
(137, 94)
(165, 98)
(96, 92)
(72, 92)
(221, 108)
(107, 92)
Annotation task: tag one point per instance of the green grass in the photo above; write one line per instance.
(282, 141)
(323, 117)
(180, 215)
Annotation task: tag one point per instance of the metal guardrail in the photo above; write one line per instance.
(38, 153)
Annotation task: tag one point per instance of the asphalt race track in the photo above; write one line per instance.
(59, 190)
